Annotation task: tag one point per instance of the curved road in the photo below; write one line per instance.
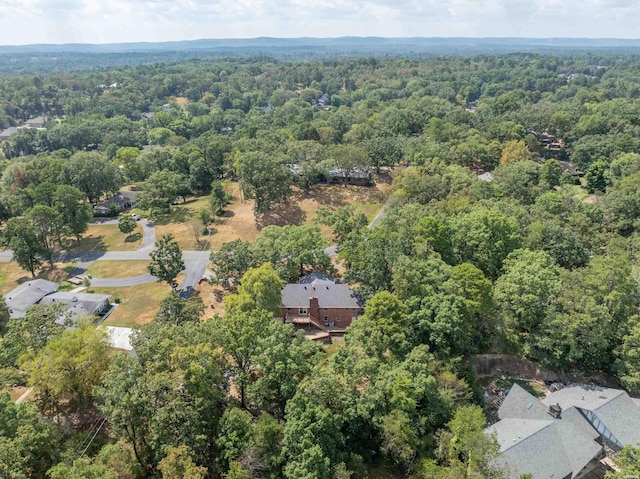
(195, 262)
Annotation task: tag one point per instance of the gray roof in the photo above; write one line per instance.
(80, 304)
(316, 277)
(29, 293)
(522, 405)
(352, 173)
(544, 448)
(330, 295)
(8, 132)
(613, 407)
(36, 122)
(488, 177)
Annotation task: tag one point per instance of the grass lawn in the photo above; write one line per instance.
(118, 269)
(240, 222)
(535, 388)
(12, 275)
(138, 304)
(107, 238)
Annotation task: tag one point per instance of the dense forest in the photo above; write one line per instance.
(542, 262)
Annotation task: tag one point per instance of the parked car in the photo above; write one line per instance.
(135, 216)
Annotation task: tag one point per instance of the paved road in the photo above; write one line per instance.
(118, 282)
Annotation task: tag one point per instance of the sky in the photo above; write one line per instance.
(114, 21)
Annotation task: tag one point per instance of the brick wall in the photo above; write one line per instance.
(340, 317)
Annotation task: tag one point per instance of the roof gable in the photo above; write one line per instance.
(330, 295)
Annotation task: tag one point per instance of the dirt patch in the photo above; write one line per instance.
(211, 296)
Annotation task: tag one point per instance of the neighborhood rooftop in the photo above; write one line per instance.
(29, 293)
(563, 433)
(330, 295)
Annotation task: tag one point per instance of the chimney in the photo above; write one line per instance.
(314, 308)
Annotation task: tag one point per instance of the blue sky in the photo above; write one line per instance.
(108, 21)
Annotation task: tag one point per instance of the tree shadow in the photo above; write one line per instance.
(88, 244)
(178, 214)
(282, 214)
(133, 238)
(227, 214)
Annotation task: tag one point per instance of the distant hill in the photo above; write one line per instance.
(415, 44)
(43, 58)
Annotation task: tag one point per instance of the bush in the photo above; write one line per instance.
(57, 275)
(116, 299)
(65, 286)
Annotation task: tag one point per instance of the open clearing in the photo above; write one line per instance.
(138, 304)
(107, 238)
(118, 269)
(12, 275)
(240, 222)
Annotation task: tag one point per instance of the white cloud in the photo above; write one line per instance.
(98, 21)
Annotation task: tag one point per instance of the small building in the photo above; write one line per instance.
(26, 295)
(79, 305)
(354, 176)
(6, 134)
(322, 302)
(120, 338)
(148, 115)
(487, 177)
(37, 122)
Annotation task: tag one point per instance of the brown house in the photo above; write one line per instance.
(319, 301)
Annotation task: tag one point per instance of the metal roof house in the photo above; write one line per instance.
(26, 295)
(563, 435)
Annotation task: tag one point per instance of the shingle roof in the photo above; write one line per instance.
(8, 132)
(316, 277)
(80, 304)
(330, 295)
(522, 405)
(29, 293)
(545, 449)
(613, 407)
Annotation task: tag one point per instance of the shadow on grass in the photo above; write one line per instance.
(133, 238)
(88, 244)
(282, 214)
(179, 214)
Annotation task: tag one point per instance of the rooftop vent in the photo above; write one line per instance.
(555, 410)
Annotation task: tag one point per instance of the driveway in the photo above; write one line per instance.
(333, 250)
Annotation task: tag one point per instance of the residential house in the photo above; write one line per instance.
(563, 435)
(26, 295)
(6, 134)
(40, 291)
(121, 201)
(320, 301)
(354, 176)
(570, 169)
(79, 305)
(120, 338)
(148, 115)
(485, 176)
(37, 122)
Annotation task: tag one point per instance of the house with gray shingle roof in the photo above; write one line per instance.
(562, 436)
(320, 299)
(79, 305)
(20, 299)
(6, 134)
